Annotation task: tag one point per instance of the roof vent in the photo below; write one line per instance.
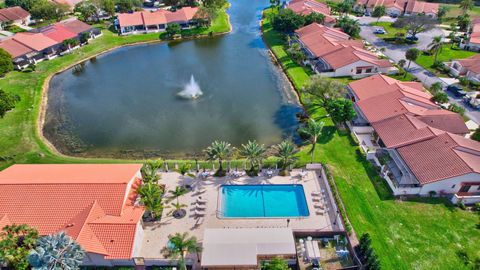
(70, 225)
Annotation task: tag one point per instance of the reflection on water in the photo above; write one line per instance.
(125, 104)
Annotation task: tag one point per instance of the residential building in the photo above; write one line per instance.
(419, 147)
(472, 42)
(14, 15)
(305, 7)
(155, 21)
(70, 3)
(468, 67)
(46, 42)
(332, 53)
(95, 204)
(397, 8)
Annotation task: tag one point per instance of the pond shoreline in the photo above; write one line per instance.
(40, 119)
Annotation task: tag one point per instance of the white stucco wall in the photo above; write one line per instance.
(137, 244)
(95, 259)
(451, 185)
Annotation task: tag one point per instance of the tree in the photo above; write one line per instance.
(345, 7)
(442, 11)
(108, 6)
(463, 22)
(25, 4)
(219, 150)
(440, 98)
(415, 24)
(341, 110)
(476, 136)
(456, 109)
(312, 131)
(402, 63)
(466, 5)
(87, 9)
(276, 263)
(16, 241)
(47, 10)
(378, 12)
(56, 252)
(452, 36)
(436, 46)
(173, 29)
(436, 87)
(6, 64)
(179, 245)
(323, 88)
(349, 26)
(411, 55)
(205, 15)
(127, 5)
(70, 43)
(149, 171)
(217, 4)
(151, 197)
(314, 17)
(7, 102)
(178, 192)
(254, 153)
(296, 53)
(287, 21)
(286, 151)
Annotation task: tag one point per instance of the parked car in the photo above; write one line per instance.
(379, 31)
(473, 99)
(412, 38)
(456, 90)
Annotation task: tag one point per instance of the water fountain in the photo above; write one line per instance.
(191, 90)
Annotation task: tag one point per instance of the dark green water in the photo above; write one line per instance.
(124, 103)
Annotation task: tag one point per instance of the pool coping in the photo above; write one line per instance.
(218, 211)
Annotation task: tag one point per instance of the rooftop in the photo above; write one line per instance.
(13, 14)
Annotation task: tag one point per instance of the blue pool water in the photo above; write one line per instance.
(263, 201)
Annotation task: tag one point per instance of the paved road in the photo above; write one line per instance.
(397, 52)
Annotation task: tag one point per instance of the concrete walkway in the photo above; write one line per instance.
(397, 53)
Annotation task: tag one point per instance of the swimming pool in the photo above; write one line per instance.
(262, 201)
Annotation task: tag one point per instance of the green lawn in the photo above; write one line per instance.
(391, 31)
(424, 234)
(19, 142)
(447, 54)
(454, 11)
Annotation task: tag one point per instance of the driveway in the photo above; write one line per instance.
(397, 52)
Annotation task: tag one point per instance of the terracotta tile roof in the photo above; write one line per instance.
(444, 156)
(305, 7)
(36, 41)
(445, 120)
(347, 55)
(414, 6)
(57, 32)
(403, 130)
(75, 26)
(160, 16)
(70, 3)
(77, 199)
(14, 48)
(398, 4)
(379, 84)
(13, 14)
(471, 64)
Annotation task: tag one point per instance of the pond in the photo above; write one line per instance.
(125, 103)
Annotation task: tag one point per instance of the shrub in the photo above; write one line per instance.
(7, 102)
(6, 64)
(476, 135)
(440, 97)
(457, 109)
(432, 193)
(461, 205)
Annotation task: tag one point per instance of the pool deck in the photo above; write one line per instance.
(156, 234)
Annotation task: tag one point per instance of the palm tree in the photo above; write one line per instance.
(313, 130)
(177, 192)
(179, 245)
(436, 46)
(219, 150)
(56, 251)
(466, 5)
(254, 153)
(151, 198)
(149, 170)
(452, 36)
(286, 152)
(178, 208)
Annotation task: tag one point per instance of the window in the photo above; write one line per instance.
(359, 70)
(369, 70)
(453, 186)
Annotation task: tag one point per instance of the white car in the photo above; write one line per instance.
(379, 31)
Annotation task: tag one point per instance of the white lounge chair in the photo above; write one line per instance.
(200, 206)
(201, 201)
(316, 199)
(199, 221)
(316, 193)
(200, 190)
(318, 205)
(199, 213)
(319, 212)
